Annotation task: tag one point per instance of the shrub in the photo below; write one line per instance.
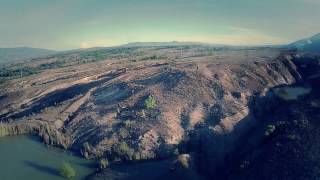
(123, 150)
(282, 93)
(245, 164)
(184, 160)
(150, 103)
(86, 150)
(129, 124)
(141, 113)
(2, 80)
(123, 133)
(67, 171)
(3, 131)
(103, 163)
(270, 129)
(292, 137)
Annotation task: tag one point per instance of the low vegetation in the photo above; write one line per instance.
(96, 55)
(123, 150)
(3, 131)
(20, 71)
(123, 133)
(67, 171)
(150, 102)
(103, 163)
(183, 160)
(269, 130)
(129, 124)
(153, 57)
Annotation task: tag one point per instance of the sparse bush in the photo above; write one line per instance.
(123, 133)
(2, 80)
(150, 102)
(86, 150)
(103, 163)
(129, 124)
(3, 131)
(154, 57)
(67, 171)
(137, 156)
(282, 93)
(245, 164)
(95, 55)
(183, 160)
(269, 130)
(292, 137)
(141, 113)
(123, 150)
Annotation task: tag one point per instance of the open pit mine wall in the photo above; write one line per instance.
(212, 141)
(215, 145)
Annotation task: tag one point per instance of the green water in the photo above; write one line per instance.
(24, 158)
(291, 93)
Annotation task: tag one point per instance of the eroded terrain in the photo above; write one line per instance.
(96, 103)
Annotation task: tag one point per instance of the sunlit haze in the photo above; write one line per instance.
(70, 24)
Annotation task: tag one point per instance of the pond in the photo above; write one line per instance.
(24, 157)
(291, 93)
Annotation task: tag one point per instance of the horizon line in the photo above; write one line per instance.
(136, 42)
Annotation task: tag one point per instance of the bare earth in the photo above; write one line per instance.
(97, 108)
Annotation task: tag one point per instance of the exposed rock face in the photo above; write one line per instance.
(202, 105)
(290, 150)
(50, 135)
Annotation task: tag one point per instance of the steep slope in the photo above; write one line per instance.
(291, 149)
(21, 53)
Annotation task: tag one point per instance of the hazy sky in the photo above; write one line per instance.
(68, 24)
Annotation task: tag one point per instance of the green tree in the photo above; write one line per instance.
(269, 130)
(150, 102)
(67, 171)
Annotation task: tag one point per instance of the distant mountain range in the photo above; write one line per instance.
(173, 43)
(311, 44)
(8, 55)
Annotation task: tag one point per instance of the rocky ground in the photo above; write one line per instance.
(290, 149)
(193, 104)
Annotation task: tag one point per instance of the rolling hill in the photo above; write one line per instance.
(20, 53)
(311, 44)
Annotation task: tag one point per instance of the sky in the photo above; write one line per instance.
(71, 24)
